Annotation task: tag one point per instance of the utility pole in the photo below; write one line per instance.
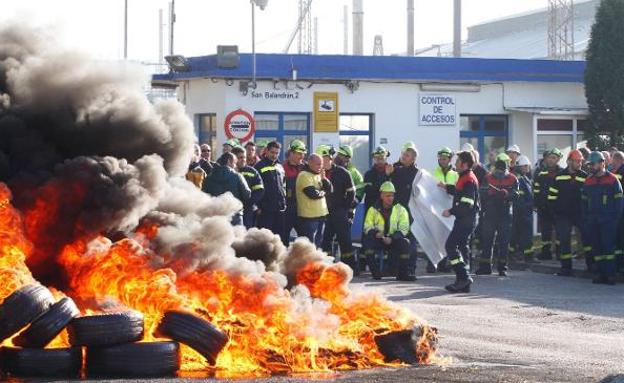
(125, 29)
(457, 28)
(315, 35)
(410, 27)
(160, 37)
(172, 20)
(345, 20)
(358, 27)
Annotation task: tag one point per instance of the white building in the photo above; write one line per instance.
(366, 101)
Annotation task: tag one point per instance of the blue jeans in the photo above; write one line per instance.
(312, 228)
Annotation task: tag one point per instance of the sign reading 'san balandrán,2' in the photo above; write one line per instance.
(437, 109)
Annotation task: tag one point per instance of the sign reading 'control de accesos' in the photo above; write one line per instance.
(240, 124)
(437, 110)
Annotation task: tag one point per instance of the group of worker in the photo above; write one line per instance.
(493, 204)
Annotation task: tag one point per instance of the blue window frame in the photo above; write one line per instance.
(283, 127)
(487, 133)
(206, 128)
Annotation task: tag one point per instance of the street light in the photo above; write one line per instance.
(261, 4)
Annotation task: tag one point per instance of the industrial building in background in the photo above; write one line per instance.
(559, 31)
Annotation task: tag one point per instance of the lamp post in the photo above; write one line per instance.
(262, 4)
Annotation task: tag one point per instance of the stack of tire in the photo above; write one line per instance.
(113, 341)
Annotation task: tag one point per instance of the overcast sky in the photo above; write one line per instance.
(97, 25)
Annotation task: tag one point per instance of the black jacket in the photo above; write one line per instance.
(403, 178)
(565, 195)
(272, 174)
(373, 179)
(254, 181)
(543, 181)
(466, 197)
(343, 190)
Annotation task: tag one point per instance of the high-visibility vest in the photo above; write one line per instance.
(399, 220)
(448, 178)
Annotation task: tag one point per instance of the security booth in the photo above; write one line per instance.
(365, 101)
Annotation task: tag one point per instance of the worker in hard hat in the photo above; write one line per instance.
(261, 145)
(377, 175)
(522, 227)
(542, 182)
(341, 203)
(513, 152)
(602, 211)
(617, 162)
(293, 165)
(465, 209)
(386, 228)
(403, 174)
(498, 191)
(230, 144)
(564, 196)
(447, 178)
(344, 158)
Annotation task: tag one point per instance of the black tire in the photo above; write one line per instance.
(22, 307)
(57, 362)
(134, 359)
(49, 325)
(197, 333)
(106, 329)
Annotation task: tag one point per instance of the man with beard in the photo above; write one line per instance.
(293, 165)
(273, 205)
(375, 176)
(254, 181)
(341, 204)
(602, 211)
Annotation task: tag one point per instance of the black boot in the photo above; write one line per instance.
(460, 286)
(373, 266)
(349, 260)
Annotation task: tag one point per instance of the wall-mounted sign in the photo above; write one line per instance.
(240, 124)
(277, 95)
(437, 110)
(325, 112)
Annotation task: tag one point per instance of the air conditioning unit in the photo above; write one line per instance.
(228, 57)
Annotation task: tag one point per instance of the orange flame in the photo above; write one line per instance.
(320, 325)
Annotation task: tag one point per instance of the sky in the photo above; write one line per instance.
(96, 26)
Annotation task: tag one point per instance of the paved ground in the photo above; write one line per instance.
(529, 327)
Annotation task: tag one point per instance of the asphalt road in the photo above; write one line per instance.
(528, 327)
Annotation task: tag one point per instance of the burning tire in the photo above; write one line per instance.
(59, 362)
(134, 359)
(195, 332)
(23, 307)
(49, 325)
(106, 329)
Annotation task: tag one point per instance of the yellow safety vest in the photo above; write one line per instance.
(306, 206)
(450, 178)
(399, 220)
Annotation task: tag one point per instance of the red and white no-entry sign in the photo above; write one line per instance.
(240, 124)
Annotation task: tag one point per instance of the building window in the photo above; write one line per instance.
(207, 129)
(356, 130)
(283, 128)
(563, 133)
(487, 134)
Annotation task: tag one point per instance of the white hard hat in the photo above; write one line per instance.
(467, 147)
(522, 161)
(514, 149)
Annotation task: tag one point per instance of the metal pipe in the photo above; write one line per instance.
(160, 36)
(358, 27)
(253, 44)
(172, 19)
(125, 29)
(345, 47)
